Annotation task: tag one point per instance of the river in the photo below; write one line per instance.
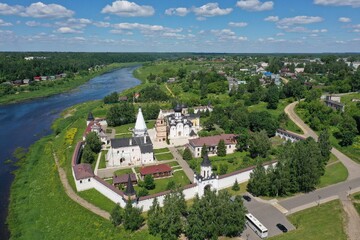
(24, 123)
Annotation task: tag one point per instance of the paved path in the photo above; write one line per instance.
(285, 80)
(352, 167)
(70, 192)
(185, 166)
(340, 190)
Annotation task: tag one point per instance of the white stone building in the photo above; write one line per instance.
(195, 145)
(133, 151)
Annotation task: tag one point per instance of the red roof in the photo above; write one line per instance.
(155, 169)
(213, 140)
(83, 170)
(91, 124)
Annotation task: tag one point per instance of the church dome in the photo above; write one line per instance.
(178, 108)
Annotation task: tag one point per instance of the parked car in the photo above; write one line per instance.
(282, 227)
(247, 198)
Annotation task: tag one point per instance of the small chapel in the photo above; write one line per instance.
(132, 151)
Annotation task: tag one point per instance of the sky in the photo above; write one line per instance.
(229, 26)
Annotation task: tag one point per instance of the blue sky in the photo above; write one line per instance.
(242, 26)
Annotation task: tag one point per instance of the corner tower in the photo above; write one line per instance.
(206, 180)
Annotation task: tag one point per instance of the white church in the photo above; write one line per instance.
(134, 151)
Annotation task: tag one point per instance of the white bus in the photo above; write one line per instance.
(256, 226)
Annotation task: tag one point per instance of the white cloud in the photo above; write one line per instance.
(41, 10)
(181, 11)
(280, 34)
(255, 5)
(211, 10)
(340, 42)
(299, 20)
(6, 9)
(344, 19)
(227, 34)
(75, 23)
(37, 10)
(350, 3)
(238, 24)
(102, 24)
(139, 26)
(37, 24)
(66, 30)
(5, 24)
(271, 19)
(128, 9)
(319, 30)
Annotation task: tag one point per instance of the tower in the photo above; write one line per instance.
(130, 191)
(178, 111)
(205, 167)
(140, 129)
(90, 118)
(160, 127)
(206, 180)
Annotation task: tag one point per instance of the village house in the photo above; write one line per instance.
(334, 103)
(98, 126)
(157, 171)
(195, 145)
(83, 175)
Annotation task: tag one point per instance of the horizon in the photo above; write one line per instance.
(245, 26)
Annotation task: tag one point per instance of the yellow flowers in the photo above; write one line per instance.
(69, 136)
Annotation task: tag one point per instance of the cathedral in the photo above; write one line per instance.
(134, 151)
(176, 123)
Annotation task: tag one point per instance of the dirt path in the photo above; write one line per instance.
(352, 220)
(172, 94)
(70, 192)
(185, 166)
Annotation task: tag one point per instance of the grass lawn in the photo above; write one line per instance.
(332, 159)
(164, 156)
(102, 163)
(173, 164)
(240, 192)
(123, 171)
(44, 211)
(318, 223)
(232, 161)
(125, 130)
(96, 198)
(161, 150)
(356, 197)
(334, 173)
(179, 177)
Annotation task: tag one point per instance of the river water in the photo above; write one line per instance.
(21, 124)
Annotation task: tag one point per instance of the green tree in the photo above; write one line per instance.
(347, 130)
(355, 80)
(272, 97)
(111, 98)
(236, 186)
(243, 140)
(142, 192)
(223, 168)
(221, 148)
(149, 182)
(133, 219)
(259, 144)
(155, 218)
(258, 182)
(120, 114)
(325, 145)
(263, 121)
(203, 150)
(87, 155)
(116, 215)
(92, 139)
(171, 185)
(187, 155)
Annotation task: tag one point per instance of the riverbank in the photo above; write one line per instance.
(27, 122)
(65, 86)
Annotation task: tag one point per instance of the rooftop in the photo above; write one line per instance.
(155, 169)
(82, 171)
(213, 140)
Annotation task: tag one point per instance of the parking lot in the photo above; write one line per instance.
(268, 215)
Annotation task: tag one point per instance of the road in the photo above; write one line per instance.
(185, 166)
(340, 190)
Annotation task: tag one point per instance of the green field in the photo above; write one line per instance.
(323, 222)
(240, 192)
(161, 150)
(40, 209)
(178, 177)
(102, 163)
(98, 199)
(334, 173)
(164, 156)
(123, 171)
